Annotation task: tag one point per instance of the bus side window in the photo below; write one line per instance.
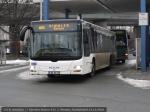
(95, 41)
(92, 39)
(86, 43)
(89, 34)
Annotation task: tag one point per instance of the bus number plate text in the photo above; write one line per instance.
(54, 72)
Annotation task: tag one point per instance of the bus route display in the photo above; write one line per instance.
(54, 26)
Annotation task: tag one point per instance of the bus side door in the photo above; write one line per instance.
(87, 49)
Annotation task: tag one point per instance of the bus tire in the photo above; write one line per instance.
(93, 69)
(110, 62)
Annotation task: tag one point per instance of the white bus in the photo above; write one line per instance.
(68, 47)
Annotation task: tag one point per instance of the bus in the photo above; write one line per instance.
(68, 47)
(121, 45)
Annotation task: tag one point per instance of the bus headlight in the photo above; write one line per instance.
(33, 66)
(77, 69)
(32, 69)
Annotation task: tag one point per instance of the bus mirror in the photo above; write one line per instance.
(23, 32)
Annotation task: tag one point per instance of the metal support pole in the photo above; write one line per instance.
(41, 10)
(45, 9)
(148, 35)
(80, 15)
(143, 40)
(67, 11)
(148, 45)
(147, 39)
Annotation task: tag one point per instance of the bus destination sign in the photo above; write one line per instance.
(55, 27)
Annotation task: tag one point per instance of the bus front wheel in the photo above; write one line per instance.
(93, 69)
(111, 62)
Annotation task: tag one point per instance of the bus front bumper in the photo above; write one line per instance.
(60, 73)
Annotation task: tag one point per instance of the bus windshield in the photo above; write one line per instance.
(55, 46)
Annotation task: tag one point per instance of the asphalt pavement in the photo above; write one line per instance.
(114, 89)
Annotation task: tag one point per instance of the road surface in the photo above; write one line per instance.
(105, 89)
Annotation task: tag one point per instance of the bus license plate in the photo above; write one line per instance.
(54, 72)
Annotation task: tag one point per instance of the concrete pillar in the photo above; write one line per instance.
(137, 46)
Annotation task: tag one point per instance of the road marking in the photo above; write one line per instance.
(26, 76)
(14, 69)
(143, 84)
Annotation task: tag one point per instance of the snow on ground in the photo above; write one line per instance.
(143, 84)
(18, 61)
(131, 62)
(26, 76)
(14, 69)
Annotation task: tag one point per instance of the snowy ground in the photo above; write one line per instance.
(26, 76)
(18, 61)
(143, 84)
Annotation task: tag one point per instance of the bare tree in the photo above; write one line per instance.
(16, 14)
